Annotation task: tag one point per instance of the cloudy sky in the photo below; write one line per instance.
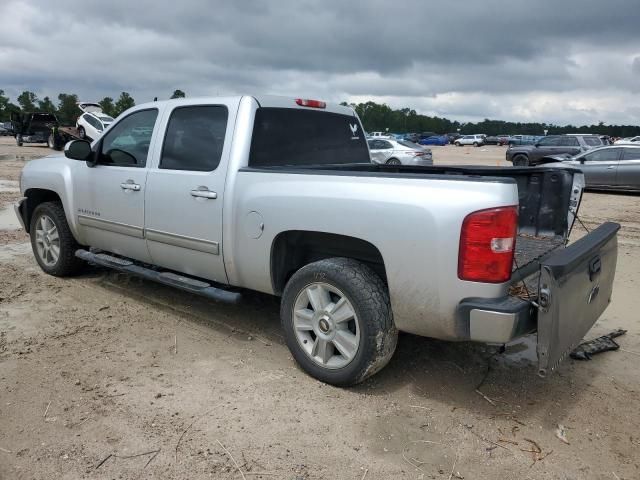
(555, 61)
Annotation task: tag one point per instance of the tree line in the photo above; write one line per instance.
(380, 117)
(374, 116)
(67, 107)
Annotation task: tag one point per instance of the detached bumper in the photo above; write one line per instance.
(20, 207)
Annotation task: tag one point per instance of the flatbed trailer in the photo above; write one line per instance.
(61, 135)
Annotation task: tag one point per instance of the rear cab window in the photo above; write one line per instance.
(296, 137)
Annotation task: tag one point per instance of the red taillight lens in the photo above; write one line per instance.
(487, 242)
(310, 103)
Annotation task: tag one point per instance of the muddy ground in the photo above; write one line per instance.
(105, 376)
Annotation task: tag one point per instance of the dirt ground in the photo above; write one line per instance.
(105, 376)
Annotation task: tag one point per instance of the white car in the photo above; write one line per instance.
(389, 151)
(379, 135)
(92, 122)
(632, 140)
(475, 140)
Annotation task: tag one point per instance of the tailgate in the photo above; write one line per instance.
(575, 288)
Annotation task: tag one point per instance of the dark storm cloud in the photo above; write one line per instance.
(567, 56)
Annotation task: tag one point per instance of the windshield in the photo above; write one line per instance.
(291, 136)
(592, 141)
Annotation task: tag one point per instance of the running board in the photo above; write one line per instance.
(167, 278)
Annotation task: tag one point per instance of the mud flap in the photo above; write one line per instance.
(575, 288)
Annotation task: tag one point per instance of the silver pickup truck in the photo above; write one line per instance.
(278, 195)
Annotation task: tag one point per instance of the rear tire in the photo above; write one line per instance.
(394, 161)
(475, 144)
(520, 161)
(337, 321)
(52, 242)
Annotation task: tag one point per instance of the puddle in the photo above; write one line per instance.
(520, 351)
(8, 219)
(9, 186)
(7, 252)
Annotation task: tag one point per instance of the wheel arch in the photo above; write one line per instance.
(36, 196)
(293, 249)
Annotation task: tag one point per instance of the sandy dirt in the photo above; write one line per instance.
(105, 376)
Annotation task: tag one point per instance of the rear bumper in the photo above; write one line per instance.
(496, 320)
(574, 288)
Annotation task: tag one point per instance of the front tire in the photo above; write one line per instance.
(337, 321)
(475, 144)
(394, 161)
(52, 242)
(520, 161)
(457, 144)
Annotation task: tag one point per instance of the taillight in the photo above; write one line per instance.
(418, 154)
(310, 103)
(487, 242)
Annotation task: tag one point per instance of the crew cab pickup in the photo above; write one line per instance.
(278, 195)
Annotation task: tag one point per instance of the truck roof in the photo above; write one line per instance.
(271, 101)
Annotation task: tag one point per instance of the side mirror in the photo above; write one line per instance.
(78, 150)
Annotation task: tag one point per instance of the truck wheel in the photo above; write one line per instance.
(394, 161)
(52, 241)
(337, 321)
(520, 161)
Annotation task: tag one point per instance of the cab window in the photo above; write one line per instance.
(127, 143)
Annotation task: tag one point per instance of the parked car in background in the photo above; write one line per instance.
(34, 127)
(4, 131)
(93, 121)
(475, 140)
(493, 140)
(398, 152)
(378, 134)
(440, 140)
(412, 137)
(628, 140)
(453, 137)
(526, 155)
(614, 167)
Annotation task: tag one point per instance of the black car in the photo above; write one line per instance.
(524, 155)
(453, 137)
(34, 127)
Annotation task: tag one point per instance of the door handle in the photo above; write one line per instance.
(611, 167)
(204, 194)
(130, 186)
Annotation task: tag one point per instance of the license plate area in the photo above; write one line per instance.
(574, 289)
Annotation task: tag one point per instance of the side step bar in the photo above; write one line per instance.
(167, 278)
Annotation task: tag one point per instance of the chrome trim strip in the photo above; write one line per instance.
(110, 226)
(182, 241)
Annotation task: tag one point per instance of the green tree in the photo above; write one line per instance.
(68, 110)
(27, 101)
(178, 94)
(125, 101)
(4, 107)
(46, 105)
(107, 106)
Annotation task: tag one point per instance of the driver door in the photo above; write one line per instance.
(110, 195)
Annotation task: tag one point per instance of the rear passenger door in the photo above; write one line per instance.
(569, 145)
(628, 172)
(600, 167)
(185, 188)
